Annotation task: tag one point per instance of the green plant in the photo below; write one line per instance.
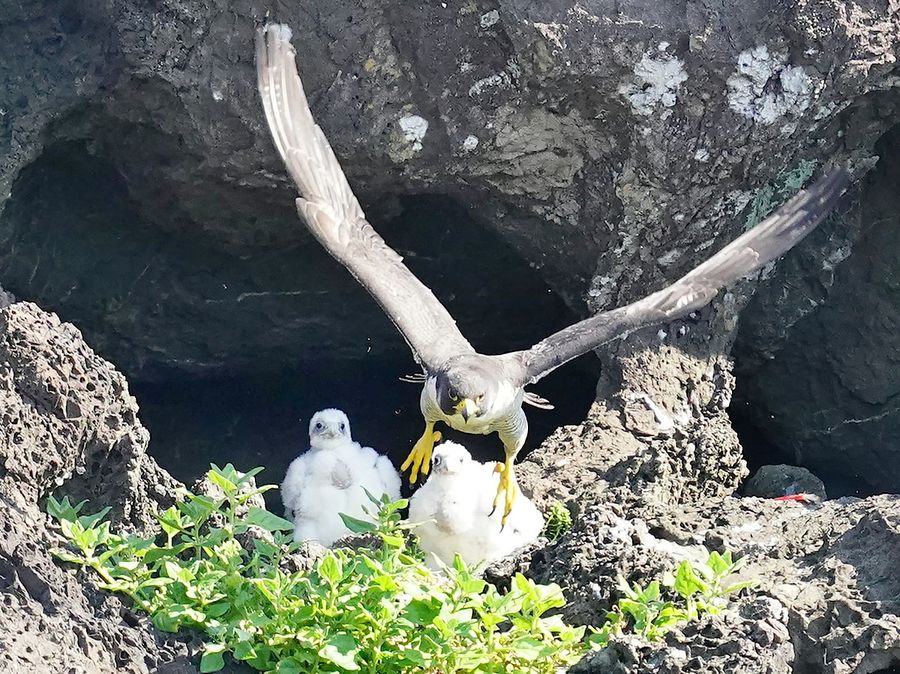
(559, 521)
(376, 609)
(693, 591)
(704, 587)
(651, 616)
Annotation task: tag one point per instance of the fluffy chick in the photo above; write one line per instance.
(332, 478)
(454, 509)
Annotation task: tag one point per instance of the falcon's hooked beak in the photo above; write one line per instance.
(467, 408)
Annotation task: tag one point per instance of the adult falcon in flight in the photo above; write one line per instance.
(469, 391)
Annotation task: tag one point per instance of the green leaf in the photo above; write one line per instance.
(249, 475)
(63, 510)
(393, 541)
(66, 556)
(374, 499)
(686, 581)
(262, 518)
(290, 666)
(89, 521)
(651, 594)
(330, 568)
(220, 480)
(421, 611)
(218, 610)
(243, 650)
(718, 564)
(171, 521)
(358, 526)
(341, 650)
(738, 586)
(155, 554)
(212, 660)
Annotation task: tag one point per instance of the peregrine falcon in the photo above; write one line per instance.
(334, 477)
(451, 512)
(466, 390)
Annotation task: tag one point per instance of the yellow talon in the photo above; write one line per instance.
(507, 487)
(419, 458)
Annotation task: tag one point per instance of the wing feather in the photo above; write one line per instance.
(334, 215)
(749, 252)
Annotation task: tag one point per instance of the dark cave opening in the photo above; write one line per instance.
(263, 416)
(229, 355)
(827, 395)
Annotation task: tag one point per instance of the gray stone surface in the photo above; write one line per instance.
(783, 480)
(615, 145)
(68, 426)
(827, 388)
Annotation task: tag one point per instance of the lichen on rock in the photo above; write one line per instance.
(657, 78)
(752, 94)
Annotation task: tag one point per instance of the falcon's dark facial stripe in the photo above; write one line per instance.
(453, 400)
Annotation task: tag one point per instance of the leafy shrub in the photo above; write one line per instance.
(376, 609)
(695, 590)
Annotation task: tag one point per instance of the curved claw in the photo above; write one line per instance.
(419, 458)
(506, 487)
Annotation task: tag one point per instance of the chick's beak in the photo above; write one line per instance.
(467, 408)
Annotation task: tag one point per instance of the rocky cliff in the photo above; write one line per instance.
(533, 161)
(607, 147)
(68, 424)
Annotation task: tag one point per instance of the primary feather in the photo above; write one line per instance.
(451, 512)
(332, 478)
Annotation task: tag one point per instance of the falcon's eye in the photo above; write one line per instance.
(479, 398)
(453, 396)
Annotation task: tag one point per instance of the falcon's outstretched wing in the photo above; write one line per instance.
(772, 237)
(333, 214)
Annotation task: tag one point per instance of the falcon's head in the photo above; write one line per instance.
(449, 458)
(465, 388)
(328, 428)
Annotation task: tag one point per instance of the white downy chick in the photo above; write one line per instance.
(458, 497)
(332, 478)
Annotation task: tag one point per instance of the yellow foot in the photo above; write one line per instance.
(507, 488)
(419, 458)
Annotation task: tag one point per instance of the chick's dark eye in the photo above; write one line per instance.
(343, 427)
(318, 425)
